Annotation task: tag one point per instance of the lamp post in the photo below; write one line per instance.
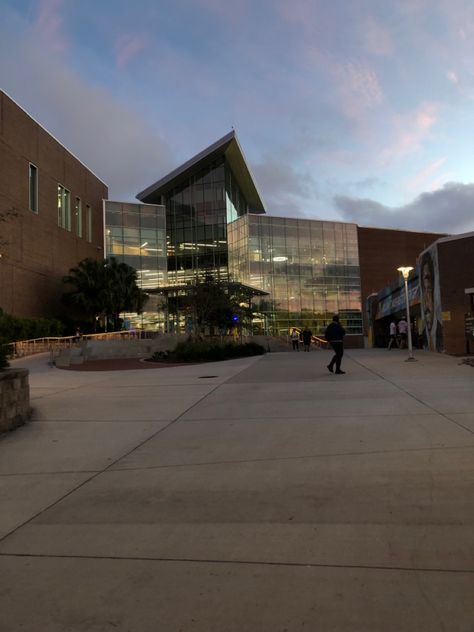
(405, 273)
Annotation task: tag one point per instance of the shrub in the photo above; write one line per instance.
(159, 356)
(13, 328)
(202, 351)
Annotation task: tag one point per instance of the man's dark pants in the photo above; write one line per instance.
(338, 353)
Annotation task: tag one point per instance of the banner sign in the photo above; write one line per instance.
(396, 302)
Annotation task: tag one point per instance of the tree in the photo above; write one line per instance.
(104, 289)
(208, 304)
(122, 291)
(211, 303)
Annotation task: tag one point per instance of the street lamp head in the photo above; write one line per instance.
(405, 271)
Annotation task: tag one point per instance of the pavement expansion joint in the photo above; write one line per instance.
(417, 399)
(292, 458)
(185, 560)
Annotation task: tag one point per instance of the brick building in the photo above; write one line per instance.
(441, 289)
(50, 214)
(381, 252)
(212, 218)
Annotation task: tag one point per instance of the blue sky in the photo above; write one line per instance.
(355, 111)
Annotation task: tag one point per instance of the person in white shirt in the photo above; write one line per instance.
(403, 331)
(393, 335)
(295, 339)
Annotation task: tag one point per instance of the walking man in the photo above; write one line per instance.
(335, 336)
(307, 335)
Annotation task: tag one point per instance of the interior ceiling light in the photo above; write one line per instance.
(278, 259)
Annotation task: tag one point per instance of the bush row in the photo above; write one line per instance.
(13, 328)
(203, 351)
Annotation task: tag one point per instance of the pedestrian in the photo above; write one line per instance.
(403, 331)
(295, 339)
(307, 335)
(335, 336)
(393, 335)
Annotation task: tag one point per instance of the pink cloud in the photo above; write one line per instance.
(378, 40)
(410, 131)
(426, 174)
(49, 24)
(128, 47)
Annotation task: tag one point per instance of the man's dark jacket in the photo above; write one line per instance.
(335, 332)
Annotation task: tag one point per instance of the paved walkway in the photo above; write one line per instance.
(258, 494)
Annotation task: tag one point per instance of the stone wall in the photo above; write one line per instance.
(14, 398)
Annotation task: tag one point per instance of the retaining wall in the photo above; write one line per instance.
(14, 398)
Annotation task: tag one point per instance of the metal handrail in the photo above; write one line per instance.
(22, 348)
(315, 339)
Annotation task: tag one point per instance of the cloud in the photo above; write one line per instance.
(419, 180)
(285, 190)
(453, 77)
(409, 132)
(128, 47)
(449, 209)
(378, 40)
(367, 183)
(112, 139)
(49, 25)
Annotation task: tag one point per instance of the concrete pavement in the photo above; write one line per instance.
(257, 494)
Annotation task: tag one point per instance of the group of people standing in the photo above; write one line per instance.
(334, 334)
(305, 336)
(398, 334)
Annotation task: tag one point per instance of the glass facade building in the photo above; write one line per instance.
(201, 198)
(309, 268)
(215, 223)
(136, 235)
(197, 213)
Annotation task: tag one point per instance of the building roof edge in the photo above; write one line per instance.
(52, 136)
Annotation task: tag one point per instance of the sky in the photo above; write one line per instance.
(349, 110)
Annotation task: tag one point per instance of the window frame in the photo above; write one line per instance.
(32, 168)
(64, 209)
(89, 223)
(78, 216)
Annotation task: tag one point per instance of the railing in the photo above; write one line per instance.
(53, 344)
(316, 340)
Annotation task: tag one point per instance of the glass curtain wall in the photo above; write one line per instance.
(197, 215)
(310, 269)
(136, 235)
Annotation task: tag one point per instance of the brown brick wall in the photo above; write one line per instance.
(456, 273)
(36, 252)
(382, 251)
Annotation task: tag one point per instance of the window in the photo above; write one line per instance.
(88, 223)
(33, 188)
(78, 213)
(64, 208)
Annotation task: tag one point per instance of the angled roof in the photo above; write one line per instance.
(227, 146)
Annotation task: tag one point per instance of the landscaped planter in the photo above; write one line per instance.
(14, 398)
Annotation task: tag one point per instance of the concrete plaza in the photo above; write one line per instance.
(257, 494)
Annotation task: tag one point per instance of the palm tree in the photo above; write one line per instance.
(104, 288)
(88, 281)
(123, 293)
